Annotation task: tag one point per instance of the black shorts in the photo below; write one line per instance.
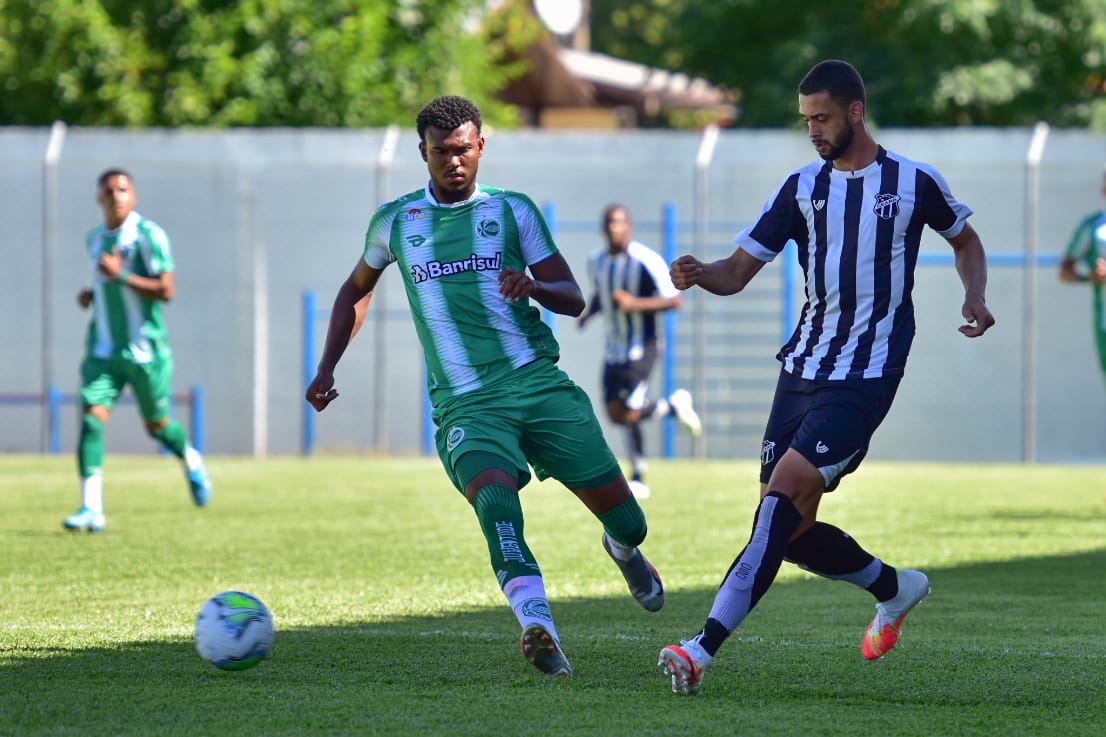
(830, 423)
(629, 382)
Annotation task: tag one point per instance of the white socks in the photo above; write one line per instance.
(92, 492)
(192, 458)
(526, 595)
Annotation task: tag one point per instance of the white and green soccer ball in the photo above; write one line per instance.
(234, 631)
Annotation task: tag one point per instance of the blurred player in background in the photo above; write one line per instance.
(132, 275)
(630, 286)
(500, 403)
(1085, 261)
(857, 216)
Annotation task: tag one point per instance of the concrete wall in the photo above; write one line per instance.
(259, 216)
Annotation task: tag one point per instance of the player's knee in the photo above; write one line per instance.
(91, 426)
(617, 412)
(153, 427)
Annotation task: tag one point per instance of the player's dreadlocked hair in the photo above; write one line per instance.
(447, 112)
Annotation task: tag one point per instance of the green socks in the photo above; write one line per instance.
(500, 515)
(173, 437)
(625, 523)
(90, 446)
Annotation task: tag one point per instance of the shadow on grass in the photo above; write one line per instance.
(1004, 648)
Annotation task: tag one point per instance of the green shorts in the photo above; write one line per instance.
(103, 379)
(539, 417)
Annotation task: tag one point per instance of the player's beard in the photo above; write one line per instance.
(838, 150)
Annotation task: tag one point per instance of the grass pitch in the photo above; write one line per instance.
(389, 620)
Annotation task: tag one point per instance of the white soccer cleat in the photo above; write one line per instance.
(639, 489)
(686, 663)
(681, 404)
(883, 633)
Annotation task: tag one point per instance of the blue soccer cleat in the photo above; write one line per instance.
(200, 483)
(86, 519)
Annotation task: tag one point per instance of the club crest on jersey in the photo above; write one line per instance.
(414, 214)
(887, 206)
(488, 228)
(767, 452)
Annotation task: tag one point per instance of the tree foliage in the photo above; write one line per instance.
(251, 62)
(925, 62)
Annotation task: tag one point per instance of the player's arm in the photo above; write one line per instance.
(593, 308)
(725, 276)
(1068, 272)
(346, 316)
(971, 265)
(629, 303)
(1071, 265)
(552, 286)
(161, 286)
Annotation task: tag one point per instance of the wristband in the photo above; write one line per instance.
(124, 276)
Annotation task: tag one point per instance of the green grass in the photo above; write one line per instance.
(389, 620)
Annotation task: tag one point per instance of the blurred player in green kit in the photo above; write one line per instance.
(1084, 260)
(127, 343)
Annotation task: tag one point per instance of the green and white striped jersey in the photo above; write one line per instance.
(124, 323)
(1088, 242)
(450, 257)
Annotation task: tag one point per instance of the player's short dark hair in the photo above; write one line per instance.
(612, 208)
(447, 112)
(839, 78)
(115, 171)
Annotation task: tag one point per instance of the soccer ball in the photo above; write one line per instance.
(234, 631)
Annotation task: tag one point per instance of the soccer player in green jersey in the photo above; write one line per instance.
(473, 260)
(1085, 261)
(127, 343)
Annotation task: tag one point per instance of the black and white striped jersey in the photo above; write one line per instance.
(858, 235)
(642, 272)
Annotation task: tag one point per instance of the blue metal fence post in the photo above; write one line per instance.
(199, 417)
(669, 228)
(54, 414)
(309, 307)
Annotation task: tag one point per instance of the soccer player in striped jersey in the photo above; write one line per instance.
(474, 259)
(127, 343)
(856, 215)
(630, 286)
(1084, 260)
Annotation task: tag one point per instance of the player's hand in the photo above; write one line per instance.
(1098, 273)
(84, 298)
(515, 285)
(622, 300)
(686, 271)
(978, 316)
(111, 264)
(321, 391)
